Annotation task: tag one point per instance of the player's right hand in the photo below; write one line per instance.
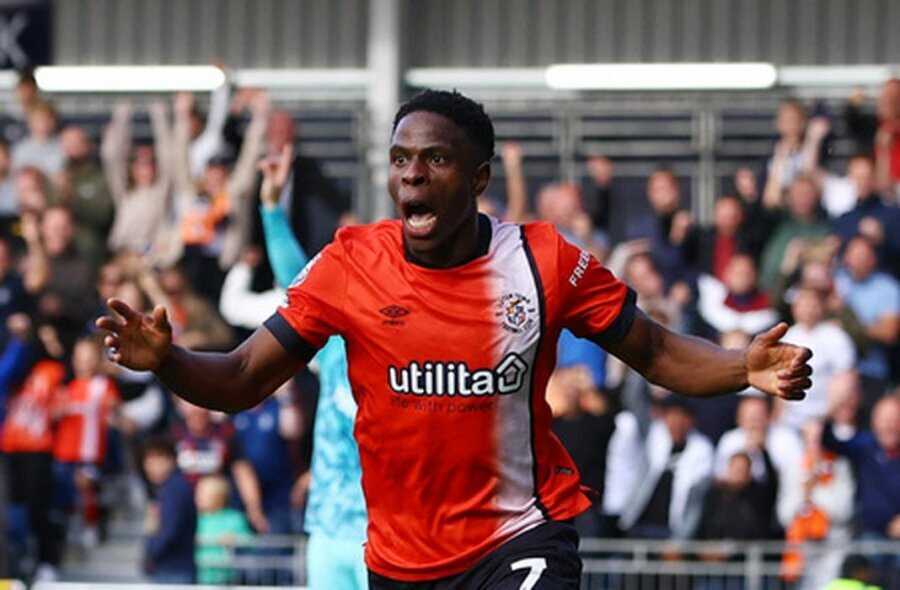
(136, 340)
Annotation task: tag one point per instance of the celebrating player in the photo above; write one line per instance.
(451, 320)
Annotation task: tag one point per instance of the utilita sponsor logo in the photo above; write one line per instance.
(457, 379)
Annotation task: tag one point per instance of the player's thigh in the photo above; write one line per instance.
(550, 563)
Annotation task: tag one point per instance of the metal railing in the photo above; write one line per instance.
(270, 561)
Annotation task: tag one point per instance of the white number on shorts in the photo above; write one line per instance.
(535, 565)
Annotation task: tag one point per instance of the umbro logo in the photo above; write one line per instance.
(393, 313)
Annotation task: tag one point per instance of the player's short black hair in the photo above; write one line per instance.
(462, 110)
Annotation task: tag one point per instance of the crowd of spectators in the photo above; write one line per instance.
(156, 223)
(175, 222)
(792, 240)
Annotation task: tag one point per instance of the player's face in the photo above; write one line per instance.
(434, 181)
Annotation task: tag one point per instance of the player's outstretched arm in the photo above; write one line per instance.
(229, 382)
(696, 367)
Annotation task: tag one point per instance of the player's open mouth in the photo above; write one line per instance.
(419, 220)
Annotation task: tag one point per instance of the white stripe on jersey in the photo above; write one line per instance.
(514, 288)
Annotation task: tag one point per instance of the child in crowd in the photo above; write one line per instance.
(85, 406)
(171, 519)
(218, 527)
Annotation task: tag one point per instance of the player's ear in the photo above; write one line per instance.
(481, 178)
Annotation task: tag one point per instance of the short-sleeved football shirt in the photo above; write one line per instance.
(449, 369)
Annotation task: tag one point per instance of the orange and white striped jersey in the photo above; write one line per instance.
(82, 432)
(449, 369)
(29, 421)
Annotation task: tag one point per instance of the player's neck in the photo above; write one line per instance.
(470, 241)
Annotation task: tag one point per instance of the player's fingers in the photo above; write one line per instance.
(799, 383)
(792, 394)
(123, 309)
(111, 341)
(774, 334)
(802, 356)
(795, 371)
(109, 324)
(160, 318)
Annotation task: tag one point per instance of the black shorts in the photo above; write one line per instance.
(544, 558)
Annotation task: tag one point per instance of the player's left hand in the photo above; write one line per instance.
(778, 368)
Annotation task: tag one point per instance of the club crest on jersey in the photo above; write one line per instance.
(516, 312)
(300, 277)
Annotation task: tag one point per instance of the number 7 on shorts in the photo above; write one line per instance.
(535, 565)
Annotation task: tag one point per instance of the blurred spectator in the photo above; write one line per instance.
(85, 407)
(15, 359)
(516, 192)
(27, 440)
(879, 133)
(667, 228)
(875, 299)
(140, 181)
(599, 193)
(839, 193)
(845, 404)
(206, 137)
(875, 456)
(82, 189)
(624, 468)
(642, 275)
(870, 216)
(41, 148)
(215, 214)
(67, 301)
(677, 470)
(560, 204)
(264, 434)
(205, 447)
(218, 528)
(736, 506)
(32, 191)
(312, 202)
(27, 95)
(812, 267)
(763, 442)
(737, 303)
(13, 297)
(802, 220)
(820, 489)
(584, 425)
(757, 225)
(833, 353)
(786, 163)
(715, 245)
(9, 205)
(171, 521)
(195, 322)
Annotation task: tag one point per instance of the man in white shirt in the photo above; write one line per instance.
(833, 353)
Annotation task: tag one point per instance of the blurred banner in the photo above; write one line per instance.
(25, 34)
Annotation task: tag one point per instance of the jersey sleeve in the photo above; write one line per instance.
(595, 304)
(313, 306)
